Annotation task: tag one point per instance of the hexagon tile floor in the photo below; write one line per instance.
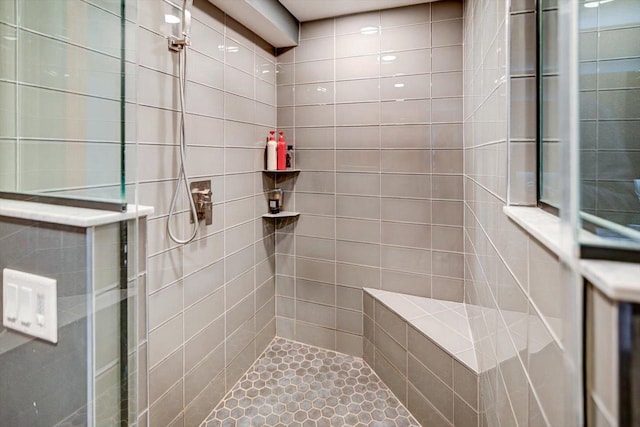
(296, 385)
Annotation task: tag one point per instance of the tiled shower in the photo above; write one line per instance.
(211, 305)
(377, 124)
(413, 128)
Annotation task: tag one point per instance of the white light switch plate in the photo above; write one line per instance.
(30, 304)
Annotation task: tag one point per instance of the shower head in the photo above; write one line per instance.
(178, 43)
(186, 17)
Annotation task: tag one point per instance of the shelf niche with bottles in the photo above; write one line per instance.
(275, 173)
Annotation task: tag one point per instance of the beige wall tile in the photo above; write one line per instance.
(465, 384)
(168, 407)
(407, 283)
(405, 87)
(366, 66)
(349, 321)
(410, 111)
(314, 49)
(357, 160)
(366, 113)
(321, 115)
(391, 377)
(446, 33)
(406, 210)
(357, 276)
(395, 354)
(320, 337)
(406, 62)
(358, 253)
(307, 72)
(522, 174)
(357, 44)
(431, 356)
(355, 23)
(446, 110)
(165, 304)
(409, 161)
(446, 84)
(405, 16)
(358, 230)
(406, 259)
(317, 93)
(397, 185)
(405, 136)
(447, 58)
(357, 183)
(322, 137)
(448, 9)
(440, 396)
(357, 90)
(405, 38)
(319, 28)
(424, 412)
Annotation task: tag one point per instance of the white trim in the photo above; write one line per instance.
(67, 215)
(618, 280)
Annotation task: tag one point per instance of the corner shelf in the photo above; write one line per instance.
(281, 171)
(283, 214)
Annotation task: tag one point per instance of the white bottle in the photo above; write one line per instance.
(272, 157)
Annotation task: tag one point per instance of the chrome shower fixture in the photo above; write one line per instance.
(202, 195)
(177, 43)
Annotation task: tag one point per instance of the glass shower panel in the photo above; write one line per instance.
(63, 93)
(610, 121)
(67, 118)
(114, 327)
(548, 126)
(89, 376)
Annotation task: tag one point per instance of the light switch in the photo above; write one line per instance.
(25, 306)
(11, 302)
(40, 309)
(30, 304)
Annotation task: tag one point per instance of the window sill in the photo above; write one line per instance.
(542, 225)
(618, 280)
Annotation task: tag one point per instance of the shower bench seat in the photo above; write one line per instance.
(423, 350)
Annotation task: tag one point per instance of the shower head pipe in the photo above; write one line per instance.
(187, 5)
(178, 43)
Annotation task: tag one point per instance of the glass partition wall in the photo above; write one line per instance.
(67, 117)
(63, 87)
(609, 123)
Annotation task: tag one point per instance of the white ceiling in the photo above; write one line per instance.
(309, 10)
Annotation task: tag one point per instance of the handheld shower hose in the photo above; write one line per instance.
(180, 46)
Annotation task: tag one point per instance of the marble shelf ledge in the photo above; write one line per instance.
(542, 225)
(281, 171)
(68, 215)
(282, 214)
(619, 281)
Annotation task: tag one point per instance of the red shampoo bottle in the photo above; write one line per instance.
(282, 152)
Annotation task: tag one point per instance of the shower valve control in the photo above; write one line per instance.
(202, 198)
